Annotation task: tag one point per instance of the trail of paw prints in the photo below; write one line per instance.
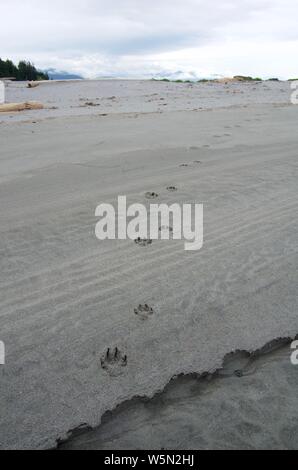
(113, 362)
(144, 311)
(143, 241)
(195, 149)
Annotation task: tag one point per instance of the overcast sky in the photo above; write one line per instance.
(149, 37)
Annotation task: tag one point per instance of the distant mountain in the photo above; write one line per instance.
(62, 75)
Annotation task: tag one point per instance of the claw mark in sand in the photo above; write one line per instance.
(144, 311)
(143, 241)
(113, 362)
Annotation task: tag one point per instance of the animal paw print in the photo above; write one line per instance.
(183, 165)
(113, 362)
(165, 229)
(143, 241)
(172, 189)
(144, 311)
(151, 195)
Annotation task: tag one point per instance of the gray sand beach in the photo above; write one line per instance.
(66, 297)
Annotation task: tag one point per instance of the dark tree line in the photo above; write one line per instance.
(24, 71)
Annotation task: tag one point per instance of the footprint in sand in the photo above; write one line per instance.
(183, 165)
(143, 241)
(144, 311)
(172, 189)
(166, 230)
(152, 195)
(113, 362)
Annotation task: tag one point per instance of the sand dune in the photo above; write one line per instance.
(65, 297)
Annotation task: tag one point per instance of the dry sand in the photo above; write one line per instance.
(66, 297)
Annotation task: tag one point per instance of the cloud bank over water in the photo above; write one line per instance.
(140, 38)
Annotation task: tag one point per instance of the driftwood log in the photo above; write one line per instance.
(14, 107)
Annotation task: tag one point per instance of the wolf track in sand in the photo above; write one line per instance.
(143, 241)
(151, 195)
(144, 311)
(113, 362)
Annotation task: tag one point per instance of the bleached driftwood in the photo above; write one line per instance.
(14, 107)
